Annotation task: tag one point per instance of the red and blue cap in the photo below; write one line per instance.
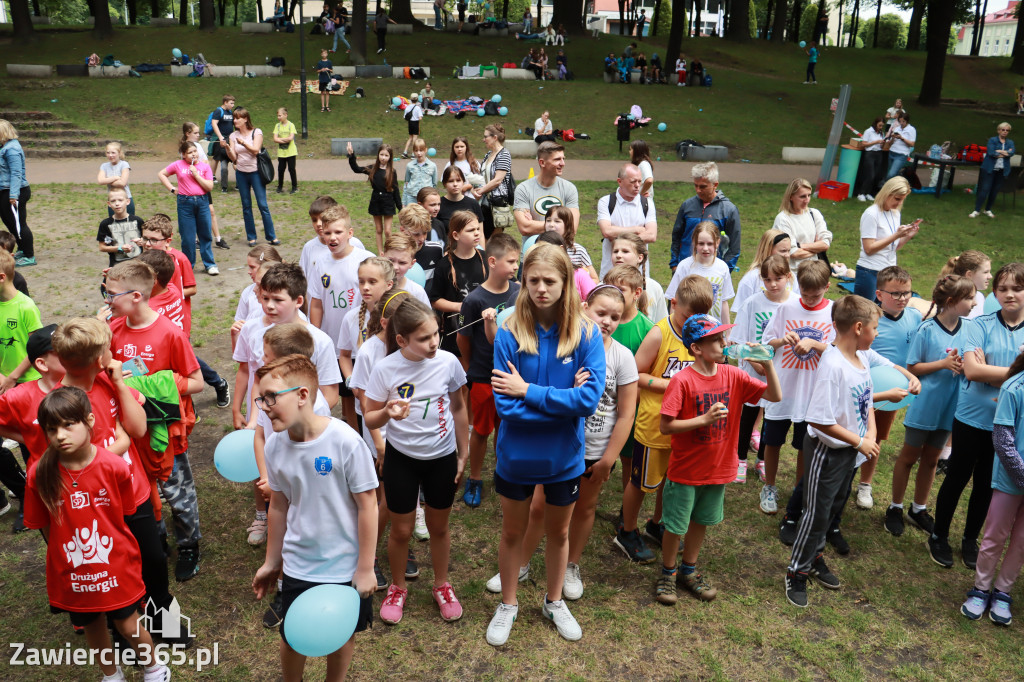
(698, 327)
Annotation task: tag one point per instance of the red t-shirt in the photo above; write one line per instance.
(162, 345)
(92, 559)
(707, 456)
(18, 409)
(171, 304)
(106, 408)
(184, 278)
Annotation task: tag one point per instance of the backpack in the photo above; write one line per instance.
(972, 152)
(108, 60)
(276, 61)
(613, 199)
(491, 108)
(208, 128)
(417, 73)
(199, 69)
(707, 80)
(93, 60)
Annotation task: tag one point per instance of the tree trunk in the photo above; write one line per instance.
(794, 22)
(401, 11)
(91, 4)
(133, 12)
(914, 28)
(1017, 65)
(739, 21)
(207, 16)
(182, 12)
(675, 37)
(222, 10)
(622, 16)
(779, 26)
(358, 41)
(504, 11)
(878, 21)
(981, 25)
(975, 43)
(154, 8)
(697, 28)
(291, 10)
(769, 5)
(569, 13)
(21, 22)
(657, 14)
(234, 19)
(854, 21)
(35, 8)
(102, 27)
(259, 10)
(940, 20)
(839, 30)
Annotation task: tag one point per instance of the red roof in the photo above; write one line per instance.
(1004, 15)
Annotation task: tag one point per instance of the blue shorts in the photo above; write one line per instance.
(560, 494)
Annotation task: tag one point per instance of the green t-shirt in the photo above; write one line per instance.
(290, 148)
(631, 334)
(19, 317)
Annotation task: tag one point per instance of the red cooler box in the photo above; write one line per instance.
(834, 191)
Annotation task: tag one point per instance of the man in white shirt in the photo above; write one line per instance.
(545, 190)
(630, 214)
(903, 137)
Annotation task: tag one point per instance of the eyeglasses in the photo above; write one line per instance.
(899, 295)
(150, 240)
(269, 399)
(109, 297)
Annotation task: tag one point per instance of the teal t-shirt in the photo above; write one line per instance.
(940, 391)
(1001, 346)
(1009, 412)
(813, 55)
(19, 317)
(895, 335)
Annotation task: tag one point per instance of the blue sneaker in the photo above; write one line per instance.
(474, 493)
(999, 608)
(977, 602)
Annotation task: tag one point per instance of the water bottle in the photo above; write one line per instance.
(742, 351)
(723, 245)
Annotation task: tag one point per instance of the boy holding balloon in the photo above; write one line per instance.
(323, 521)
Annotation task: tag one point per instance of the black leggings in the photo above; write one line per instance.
(289, 163)
(24, 236)
(143, 526)
(748, 417)
(382, 36)
(11, 474)
(971, 458)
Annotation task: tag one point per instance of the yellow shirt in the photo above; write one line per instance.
(672, 357)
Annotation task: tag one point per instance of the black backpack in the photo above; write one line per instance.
(613, 199)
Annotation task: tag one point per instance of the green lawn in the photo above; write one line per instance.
(896, 616)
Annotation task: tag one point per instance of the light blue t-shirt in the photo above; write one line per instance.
(1009, 412)
(934, 408)
(895, 334)
(977, 406)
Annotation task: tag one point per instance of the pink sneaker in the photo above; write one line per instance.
(450, 607)
(760, 469)
(394, 605)
(755, 441)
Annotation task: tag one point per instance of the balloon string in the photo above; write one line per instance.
(464, 326)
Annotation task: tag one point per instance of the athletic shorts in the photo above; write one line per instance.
(220, 153)
(82, 618)
(481, 404)
(883, 422)
(918, 438)
(702, 504)
(414, 127)
(773, 432)
(291, 588)
(649, 467)
(560, 494)
(591, 462)
(404, 476)
(325, 87)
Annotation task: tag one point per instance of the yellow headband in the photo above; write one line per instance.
(397, 293)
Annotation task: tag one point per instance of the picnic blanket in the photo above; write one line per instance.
(314, 87)
(467, 105)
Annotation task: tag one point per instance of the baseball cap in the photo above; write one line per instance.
(39, 342)
(697, 327)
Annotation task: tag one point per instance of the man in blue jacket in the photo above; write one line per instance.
(708, 204)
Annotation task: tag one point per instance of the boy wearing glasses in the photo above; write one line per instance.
(119, 235)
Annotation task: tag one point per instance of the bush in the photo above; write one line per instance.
(892, 32)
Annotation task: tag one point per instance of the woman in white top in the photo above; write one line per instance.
(543, 131)
(805, 226)
(872, 161)
(242, 148)
(903, 137)
(881, 235)
(640, 156)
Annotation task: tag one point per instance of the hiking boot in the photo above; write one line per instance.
(969, 553)
(665, 589)
(769, 493)
(977, 602)
(382, 581)
(494, 584)
(940, 551)
(274, 614)
(820, 572)
(796, 589)
(999, 608)
(922, 520)
(223, 394)
(412, 569)
(558, 613)
(838, 542)
(894, 520)
(572, 585)
(501, 624)
(392, 609)
(695, 584)
(654, 531)
(187, 566)
(450, 607)
(633, 547)
(788, 529)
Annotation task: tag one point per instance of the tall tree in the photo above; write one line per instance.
(182, 11)
(1017, 65)
(980, 29)
(914, 28)
(769, 5)
(655, 19)
(21, 22)
(739, 21)
(622, 16)
(974, 33)
(133, 12)
(940, 21)
(798, 12)
(102, 27)
(675, 37)
(504, 11)
(878, 20)
(568, 13)
(854, 21)
(358, 41)
(401, 11)
(779, 27)
(207, 16)
(697, 5)
(154, 8)
(36, 11)
(222, 9)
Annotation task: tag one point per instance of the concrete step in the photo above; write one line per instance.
(37, 124)
(62, 144)
(61, 153)
(55, 133)
(16, 116)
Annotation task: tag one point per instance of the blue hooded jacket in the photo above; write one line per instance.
(12, 168)
(721, 212)
(540, 438)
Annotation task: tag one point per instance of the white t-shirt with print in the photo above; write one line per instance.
(621, 370)
(717, 273)
(315, 251)
(842, 394)
(371, 353)
(752, 318)
(247, 304)
(335, 282)
(797, 372)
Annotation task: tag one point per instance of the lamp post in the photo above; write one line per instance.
(302, 74)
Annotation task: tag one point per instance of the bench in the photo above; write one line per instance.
(362, 146)
(72, 70)
(264, 70)
(342, 72)
(40, 20)
(374, 71)
(521, 149)
(803, 154)
(518, 75)
(109, 71)
(257, 27)
(493, 33)
(399, 71)
(184, 70)
(453, 26)
(29, 70)
(163, 22)
(710, 152)
(399, 29)
(218, 71)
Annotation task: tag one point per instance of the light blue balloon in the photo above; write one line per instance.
(505, 314)
(991, 304)
(496, 99)
(177, 53)
(480, 111)
(803, 44)
(431, 152)
(235, 456)
(416, 274)
(322, 619)
(527, 243)
(884, 378)
(662, 127)
(503, 111)
(397, 101)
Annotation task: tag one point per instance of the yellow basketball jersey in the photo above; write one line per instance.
(672, 357)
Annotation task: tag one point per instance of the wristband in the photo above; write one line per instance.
(859, 444)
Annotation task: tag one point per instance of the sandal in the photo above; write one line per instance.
(275, 242)
(252, 242)
(328, 109)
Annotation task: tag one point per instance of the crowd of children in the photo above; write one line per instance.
(572, 374)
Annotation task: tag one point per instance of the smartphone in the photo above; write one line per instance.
(136, 366)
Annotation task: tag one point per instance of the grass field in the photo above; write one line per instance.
(896, 616)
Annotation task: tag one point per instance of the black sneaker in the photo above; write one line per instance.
(223, 393)
(274, 615)
(19, 523)
(188, 563)
(221, 244)
(894, 520)
(412, 569)
(940, 468)
(787, 530)
(654, 531)
(633, 546)
(969, 553)
(922, 520)
(836, 539)
(820, 572)
(940, 551)
(796, 589)
(382, 582)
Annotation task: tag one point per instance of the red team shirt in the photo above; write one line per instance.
(707, 456)
(18, 409)
(171, 304)
(183, 278)
(92, 559)
(161, 345)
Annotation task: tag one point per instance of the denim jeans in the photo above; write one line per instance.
(896, 163)
(437, 17)
(340, 33)
(247, 181)
(989, 183)
(194, 220)
(865, 282)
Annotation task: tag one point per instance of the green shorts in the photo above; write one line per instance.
(703, 504)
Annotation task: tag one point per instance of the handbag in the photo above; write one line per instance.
(502, 217)
(265, 166)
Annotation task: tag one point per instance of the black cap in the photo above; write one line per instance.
(40, 342)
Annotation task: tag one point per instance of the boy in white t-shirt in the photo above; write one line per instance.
(316, 248)
(323, 506)
(334, 282)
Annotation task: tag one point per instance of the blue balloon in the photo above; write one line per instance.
(527, 243)
(397, 101)
(803, 43)
(322, 619)
(177, 53)
(662, 127)
(884, 378)
(503, 111)
(991, 304)
(480, 111)
(505, 314)
(431, 152)
(496, 99)
(235, 456)
(416, 274)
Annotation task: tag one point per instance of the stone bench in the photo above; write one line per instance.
(264, 70)
(399, 29)
(109, 71)
(453, 26)
(184, 70)
(73, 70)
(374, 71)
(710, 152)
(521, 149)
(29, 70)
(399, 71)
(257, 27)
(362, 146)
(163, 22)
(219, 71)
(40, 20)
(518, 75)
(803, 154)
(342, 72)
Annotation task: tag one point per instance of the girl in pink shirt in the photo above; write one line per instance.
(195, 180)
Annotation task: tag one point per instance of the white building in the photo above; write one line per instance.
(605, 17)
(997, 36)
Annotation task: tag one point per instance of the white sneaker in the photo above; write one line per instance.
(870, 197)
(257, 532)
(741, 472)
(11, 445)
(558, 613)
(990, 214)
(768, 503)
(972, 214)
(494, 584)
(213, 271)
(861, 197)
(158, 673)
(864, 499)
(572, 586)
(501, 624)
(420, 531)
(118, 676)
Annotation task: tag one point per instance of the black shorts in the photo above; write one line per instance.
(82, 618)
(414, 127)
(560, 494)
(591, 462)
(324, 87)
(462, 10)
(404, 476)
(291, 588)
(773, 433)
(209, 198)
(344, 391)
(219, 153)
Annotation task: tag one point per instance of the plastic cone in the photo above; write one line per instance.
(530, 174)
